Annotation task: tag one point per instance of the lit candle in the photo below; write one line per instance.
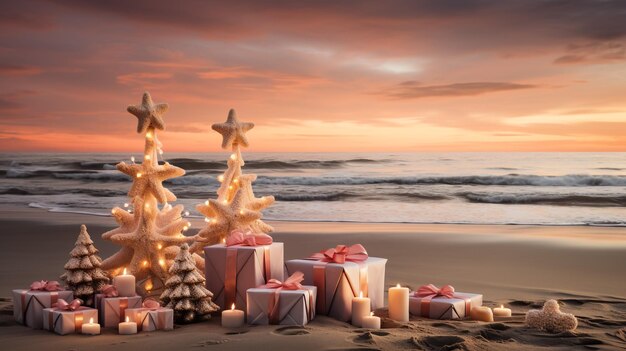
(371, 321)
(127, 328)
(360, 309)
(125, 284)
(399, 303)
(232, 318)
(91, 328)
(501, 311)
(481, 313)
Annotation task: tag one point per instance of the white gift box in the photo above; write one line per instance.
(295, 307)
(148, 319)
(457, 307)
(338, 283)
(65, 322)
(28, 305)
(113, 309)
(242, 267)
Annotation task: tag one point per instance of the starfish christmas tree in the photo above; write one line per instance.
(236, 206)
(150, 236)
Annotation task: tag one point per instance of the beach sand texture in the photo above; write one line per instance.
(518, 266)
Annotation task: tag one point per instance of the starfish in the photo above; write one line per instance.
(148, 178)
(148, 114)
(225, 217)
(233, 132)
(149, 243)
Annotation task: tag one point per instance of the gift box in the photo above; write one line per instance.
(28, 305)
(282, 303)
(337, 283)
(113, 309)
(67, 321)
(432, 302)
(152, 318)
(232, 270)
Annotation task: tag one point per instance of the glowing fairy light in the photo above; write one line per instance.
(186, 213)
(206, 202)
(236, 180)
(145, 263)
(139, 175)
(132, 159)
(159, 246)
(149, 135)
(233, 157)
(147, 157)
(206, 219)
(161, 262)
(220, 178)
(126, 205)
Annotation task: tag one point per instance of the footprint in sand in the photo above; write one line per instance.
(367, 337)
(237, 331)
(498, 326)
(440, 342)
(291, 330)
(211, 343)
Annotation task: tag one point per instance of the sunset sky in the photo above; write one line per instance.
(316, 75)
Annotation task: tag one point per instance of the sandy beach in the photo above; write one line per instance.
(518, 266)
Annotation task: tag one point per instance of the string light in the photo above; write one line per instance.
(159, 246)
(139, 175)
(207, 219)
(206, 202)
(149, 135)
(225, 201)
(132, 159)
(186, 213)
(145, 263)
(161, 152)
(147, 157)
(230, 187)
(161, 262)
(241, 212)
(113, 211)
(220, 178)
(185, 228)
(236, 180)
(233, 157)
(146, 206)
(126, 205)
(214, 220)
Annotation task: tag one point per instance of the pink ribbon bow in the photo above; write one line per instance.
(431, 291)
(64, 305)
(45, 285)
(342, 253)
(109, 290)
(151, 304)
(291, 283)
(248, 238)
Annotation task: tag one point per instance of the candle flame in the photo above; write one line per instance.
(232, 307)
(501, 306)
(124, 272)
(397, 285)
(361, 294)
(127, 319)
(371, 314)
(90, 320)
(224, 241)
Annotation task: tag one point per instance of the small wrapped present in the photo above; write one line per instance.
(151, 316)
(67, 318)
(245, 261)
(284, 303)
(340, 274)
(431, 302)
(28, 304)
(112, 307)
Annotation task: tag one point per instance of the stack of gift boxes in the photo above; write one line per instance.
(248, 272)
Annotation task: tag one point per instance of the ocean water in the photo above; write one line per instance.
(477, 188)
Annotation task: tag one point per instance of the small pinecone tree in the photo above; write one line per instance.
(184, 290)
(83, 274)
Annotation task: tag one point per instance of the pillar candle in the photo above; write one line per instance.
(399, 303)
(232, 318)
(90, 328)
(371, 321)
(360, 308)
(125, 284)
(127, 328)
(501, 311)
(482, 313)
